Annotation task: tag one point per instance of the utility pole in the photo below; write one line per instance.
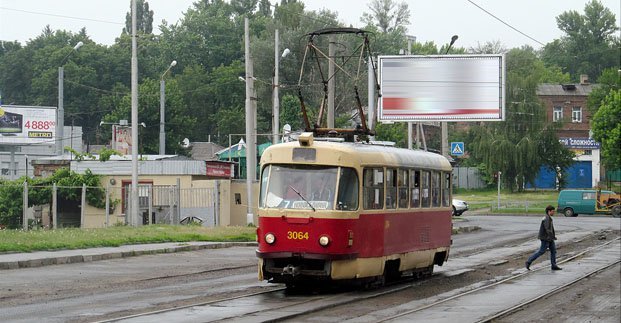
(276, 85)
(444, 130)
(371, 95)
(133, 216)
(251, 155)
(409, 52)
(331, 82)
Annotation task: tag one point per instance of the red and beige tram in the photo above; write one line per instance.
(340, 211)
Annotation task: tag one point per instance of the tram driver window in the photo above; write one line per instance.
(425, 189)
(373, 190)
(348, 190)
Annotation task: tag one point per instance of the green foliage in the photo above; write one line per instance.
(589, 45)
(40, 193)
(28, 241)
(607, 82)
(606, 125)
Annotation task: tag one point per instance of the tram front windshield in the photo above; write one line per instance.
(300, 187)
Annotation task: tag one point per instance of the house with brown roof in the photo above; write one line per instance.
(567, 105)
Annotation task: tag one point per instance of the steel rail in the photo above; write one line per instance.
(502, 281)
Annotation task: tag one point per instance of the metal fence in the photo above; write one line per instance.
(68, 206)
(467, 178)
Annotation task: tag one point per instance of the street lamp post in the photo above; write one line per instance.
(60, 116)
(276, 87)
(444, 127)
(163, 109)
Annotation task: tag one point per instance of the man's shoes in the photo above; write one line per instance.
(527, 265)
(557, 268)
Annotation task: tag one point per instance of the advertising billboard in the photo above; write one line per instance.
(24, 125)
(442, 88)
(122, 139)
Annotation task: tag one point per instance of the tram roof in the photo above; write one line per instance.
(357, 154)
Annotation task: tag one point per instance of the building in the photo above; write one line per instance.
(567, 104)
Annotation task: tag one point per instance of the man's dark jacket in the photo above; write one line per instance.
(546, 230)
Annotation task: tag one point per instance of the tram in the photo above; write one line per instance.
(350, 211)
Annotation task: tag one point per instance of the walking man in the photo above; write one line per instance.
(547, 237)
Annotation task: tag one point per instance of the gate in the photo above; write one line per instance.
(167, 204)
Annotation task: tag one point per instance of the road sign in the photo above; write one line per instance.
(457, 148)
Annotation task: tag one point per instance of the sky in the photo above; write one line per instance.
(436, 20)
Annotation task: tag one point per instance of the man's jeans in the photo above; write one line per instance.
(545, 245)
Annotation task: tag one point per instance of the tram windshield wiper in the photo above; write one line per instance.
(302, 197)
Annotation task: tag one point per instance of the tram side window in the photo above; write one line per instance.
(391, 188)
(348, 190)
(373, 190)
(415, 180)
(402, 183)
(446, 189)
(435, 189)
(425, 189)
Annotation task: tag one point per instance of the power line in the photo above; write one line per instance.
(62, 16)
(491, 14)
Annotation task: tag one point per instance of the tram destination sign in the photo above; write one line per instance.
(24, 125)
(442, 88)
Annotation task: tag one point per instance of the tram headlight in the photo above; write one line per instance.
(324, 241)
(270, 238)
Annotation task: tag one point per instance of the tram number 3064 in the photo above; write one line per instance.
(297, 235)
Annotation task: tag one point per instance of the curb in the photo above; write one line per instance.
(90, 255)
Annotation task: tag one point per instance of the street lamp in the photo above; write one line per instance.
(60, 116)
(276, 86)
(443, 125)
(163, 108)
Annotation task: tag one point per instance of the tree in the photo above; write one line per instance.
(387, 15)
(606, 125)
(11, 193)
(607, 83)
(589, 44)
(144, 19)
(490, 47)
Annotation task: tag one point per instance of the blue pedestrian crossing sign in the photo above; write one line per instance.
(457, 148)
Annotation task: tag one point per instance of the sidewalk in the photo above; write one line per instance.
(46, 258)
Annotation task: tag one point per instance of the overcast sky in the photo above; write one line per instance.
(435, 20)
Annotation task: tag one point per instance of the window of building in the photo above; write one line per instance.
(576, 114)
(557, 114)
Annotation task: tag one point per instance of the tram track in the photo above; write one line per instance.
(510, 279)
(285, 306)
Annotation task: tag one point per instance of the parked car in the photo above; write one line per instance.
(574, 202)
(459, 207)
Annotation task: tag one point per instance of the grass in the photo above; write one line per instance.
(34, 240)
(516, 202)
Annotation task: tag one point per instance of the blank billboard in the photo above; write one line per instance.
(442, 88)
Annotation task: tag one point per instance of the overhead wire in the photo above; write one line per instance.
(507, 24)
